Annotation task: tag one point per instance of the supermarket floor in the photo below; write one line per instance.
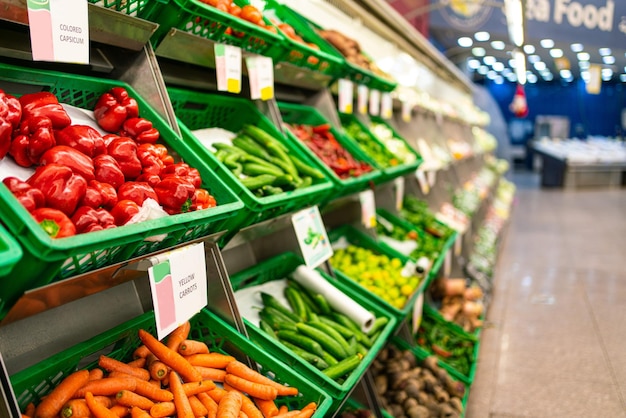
(554, 344)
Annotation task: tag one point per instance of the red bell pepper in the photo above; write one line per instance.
(175, 194)
(124, 150)
(137, 192)
(124, 211)
(151, 179)
(184, 171)
(30, 197)
(202, 199)
(141, 130)
(54, 222)
(44, 104)
(82, 138)
(61, 187)
(108, 138)
(99, 195)
(87, 219)
(107, 170)
(72, 158)
(33, 138)
(113, 108)
(10, 116)
(154, 158)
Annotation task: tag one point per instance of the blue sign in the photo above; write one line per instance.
(468, 16)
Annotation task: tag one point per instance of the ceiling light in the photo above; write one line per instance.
(514, 14)
(583, 56)
(498, 66)
(622, 78)
(507, 71)
(513, 78)
(544, 72)
(499, 45)
(520, 66)
(585, 75)
(491, 75)
(548, 77)
(479, 52)
(512, 63)
(577, 47)
(499, 79)
(604, 51)
(483, 69)
(584, 65)
(609, 59)
(532, 78)
(565, 74)
(534, 58)
(540, 65)
(556, 53)
(489, 60)
(529, 49)
(482, 36)
(547, 43)
(473, 64)
(465, 42)
(607, 73)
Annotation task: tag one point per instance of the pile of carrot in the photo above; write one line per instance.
(176, 379)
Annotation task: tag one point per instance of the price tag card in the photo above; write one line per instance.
(368, 208)
(399, 184)
(432, 177)
(362, 99)
(179, 287)
(261, 74)
(420, 175)
(374, 102)
(386, 106)
(447, 264)
(439, 118)
(312, 237)
(418, 309)
(346, 95)
(407, 109)
(59, 30)
(228, 68)
(458, 245)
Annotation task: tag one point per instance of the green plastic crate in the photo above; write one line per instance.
(31, 384)
(10, 254)
(45, 259)
(138, 8)
(306, 115)
(358, 238)
(434, 312)
(202, 110)
(377, 119)
(352, 405)
(200, 19)
(280, 267)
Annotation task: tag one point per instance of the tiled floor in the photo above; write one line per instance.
(554, 344)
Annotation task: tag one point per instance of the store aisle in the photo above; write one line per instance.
(555, 340)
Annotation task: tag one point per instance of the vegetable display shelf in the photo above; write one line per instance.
(140, 8)
(354, 405)
(46, 259)
(33, 383)
(282, 266)
(306, 115)
(201, 110)
(10, 253)
(433, 312)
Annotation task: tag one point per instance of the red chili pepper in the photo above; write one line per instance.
(88, 219)
(72, 158)
(151, 179)
(151, 157)
(321, 129)
(124, 150)
(33, 138)
(124, 211)
(175, 194)
(107, 170)
(30, 197)
(202, 199)
(113, 108)
(440, 351)
(141, 130)
(184, 171)
(61, 187)
(82, 138)
(44, 104)
(137, 192)
(10, 116)
(54, 222)
(99, 195)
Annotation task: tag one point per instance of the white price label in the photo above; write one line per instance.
(418, 310)
(178, 283)
(59, 30)
(420, 175)
(312, 237)
(368, 208)
(407, 108)
(399, 184)
(374, 102)
(346, 95)
(228, 68)
(458, 245)
(362, 99)
(386, 106)
(447, 264)
(261, 74)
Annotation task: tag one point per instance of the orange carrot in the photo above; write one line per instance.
(111, 365)
(30, 409)
(171, 358)
(138, 362)
(242, 414)
(227, 387)
(241, 370)
(209, 404)
(230, 405)
(162, 409)
(158, 369)
(193, 388)
(310, 405)
(177, 336)
(256, 390)
(211, 373)
(141, 352)
(98, 410)
(130, 399)
(189, 347)
(25, 416)
(120, 410)
(215, 360)
(183, 408)
(147, 389)
(217, 394)
(267, 408)
(197, 407)
(52, 404)
(283, 409)
(155, 383)
(138, 413)
(249, 408)
(107, 386)
(95, 374)
(79, 407)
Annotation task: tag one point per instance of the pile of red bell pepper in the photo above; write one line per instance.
(324, 144)
(84, 181)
